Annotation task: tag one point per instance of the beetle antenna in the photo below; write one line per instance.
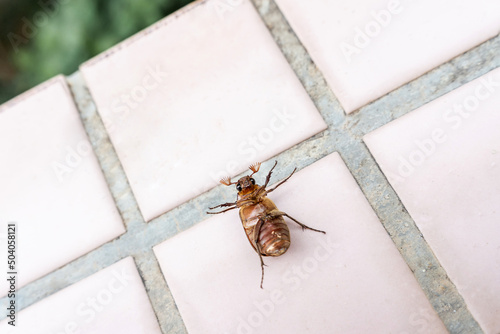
(227, 181)
(254, 168)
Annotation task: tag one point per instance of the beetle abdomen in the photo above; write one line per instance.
(274, 237)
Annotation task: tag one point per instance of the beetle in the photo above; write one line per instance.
(263, 223)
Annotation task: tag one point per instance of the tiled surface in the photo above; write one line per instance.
(323, 284)
(368, 48)
(110, 301)
(200, 95)
(353, 278)
(52, 185)
(443, 160)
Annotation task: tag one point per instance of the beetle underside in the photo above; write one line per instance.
(264, 224)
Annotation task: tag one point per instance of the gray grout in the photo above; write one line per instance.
(344, 135)
(159, 294)
(140, 237)
(108, 159)
(137, 241)
(429, 273)
(433, 84)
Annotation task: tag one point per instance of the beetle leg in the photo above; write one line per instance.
(234, 206)
(279, 184)
(275, 213)
(257, 246)
(222, 205)
(269, 174)
(214, 213)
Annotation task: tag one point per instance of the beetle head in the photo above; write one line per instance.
(245, 184)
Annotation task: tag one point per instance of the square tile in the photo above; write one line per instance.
(323, 284)
(195, 97)
(111, 301)
(443, 160)
(52, 185)
(367, 48)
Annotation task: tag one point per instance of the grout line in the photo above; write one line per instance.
(159, 294)
(348, 129)
(65, 276)
(437, 82)
(136, 241)
(440, 291)
(106, 155)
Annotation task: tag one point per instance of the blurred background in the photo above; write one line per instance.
(42, 38)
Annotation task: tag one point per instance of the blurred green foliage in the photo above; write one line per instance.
(44, 38)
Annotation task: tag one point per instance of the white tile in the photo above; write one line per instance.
(367, 48)
(351, 280)
(443, 160)
(111, 301)
(199, 95)
(52, 185)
